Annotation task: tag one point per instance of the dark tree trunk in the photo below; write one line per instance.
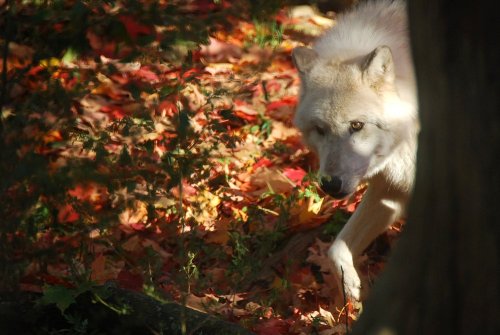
(444, 277)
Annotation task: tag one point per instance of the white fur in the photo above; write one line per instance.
(361, 70)
(368, 26)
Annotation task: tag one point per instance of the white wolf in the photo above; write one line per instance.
(358, 110)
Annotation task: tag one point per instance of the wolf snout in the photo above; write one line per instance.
(333, 186)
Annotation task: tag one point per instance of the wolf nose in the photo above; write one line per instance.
(332, 186)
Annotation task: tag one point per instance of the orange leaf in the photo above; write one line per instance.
(52, 136)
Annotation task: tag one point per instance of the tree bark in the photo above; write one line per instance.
(444, 277)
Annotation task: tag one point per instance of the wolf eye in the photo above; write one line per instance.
(357, 125)
(321, 131)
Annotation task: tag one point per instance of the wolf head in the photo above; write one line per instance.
(350, 114)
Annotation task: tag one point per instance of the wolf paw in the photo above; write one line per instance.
(352, 285)
(345, 271)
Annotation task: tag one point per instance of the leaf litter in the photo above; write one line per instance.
(213, 237)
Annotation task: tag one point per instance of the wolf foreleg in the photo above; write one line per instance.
(379, 208)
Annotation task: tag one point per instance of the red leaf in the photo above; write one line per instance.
(302, 277)
(58, 27)
(205, 6)
(67, 214)
(130, 281)
(35, 70)
(262, 162)
(133, 27)
(53, 280)
(115, 111)
(244, 110)
(282, 109)
(193, 73)
(139, 226)
(105, 47)
(272, 327)
(286, 101)
(146, 74)
(295, 175)
(167, 107)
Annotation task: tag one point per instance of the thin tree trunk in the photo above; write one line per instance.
(444, 277)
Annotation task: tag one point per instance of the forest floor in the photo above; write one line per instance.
(244, 233)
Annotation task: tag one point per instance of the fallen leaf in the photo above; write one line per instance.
(272, 327)
(282, 109)
(134, 216)
(133, 244)
(146, 74)
(295, 174)
(264, 161)
(130, 281)
(67, 214)
(244, 110)
(218, 51)
(318, 255)
(270, 180)
(133, 27)
(103, 269)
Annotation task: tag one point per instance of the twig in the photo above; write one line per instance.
(183, 257)
(5, 54)
(264, 89)
(345, 302)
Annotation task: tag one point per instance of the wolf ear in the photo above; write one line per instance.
(379, 66)
(303, 58)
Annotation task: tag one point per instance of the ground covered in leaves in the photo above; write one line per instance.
(175, 172)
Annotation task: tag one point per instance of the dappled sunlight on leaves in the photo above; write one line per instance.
(155, 155)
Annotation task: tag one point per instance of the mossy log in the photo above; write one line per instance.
(21, 313)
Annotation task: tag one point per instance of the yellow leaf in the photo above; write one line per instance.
(314, 206)
(50, 62)
(239, 214)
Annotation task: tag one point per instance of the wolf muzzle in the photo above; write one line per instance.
(333, 187)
